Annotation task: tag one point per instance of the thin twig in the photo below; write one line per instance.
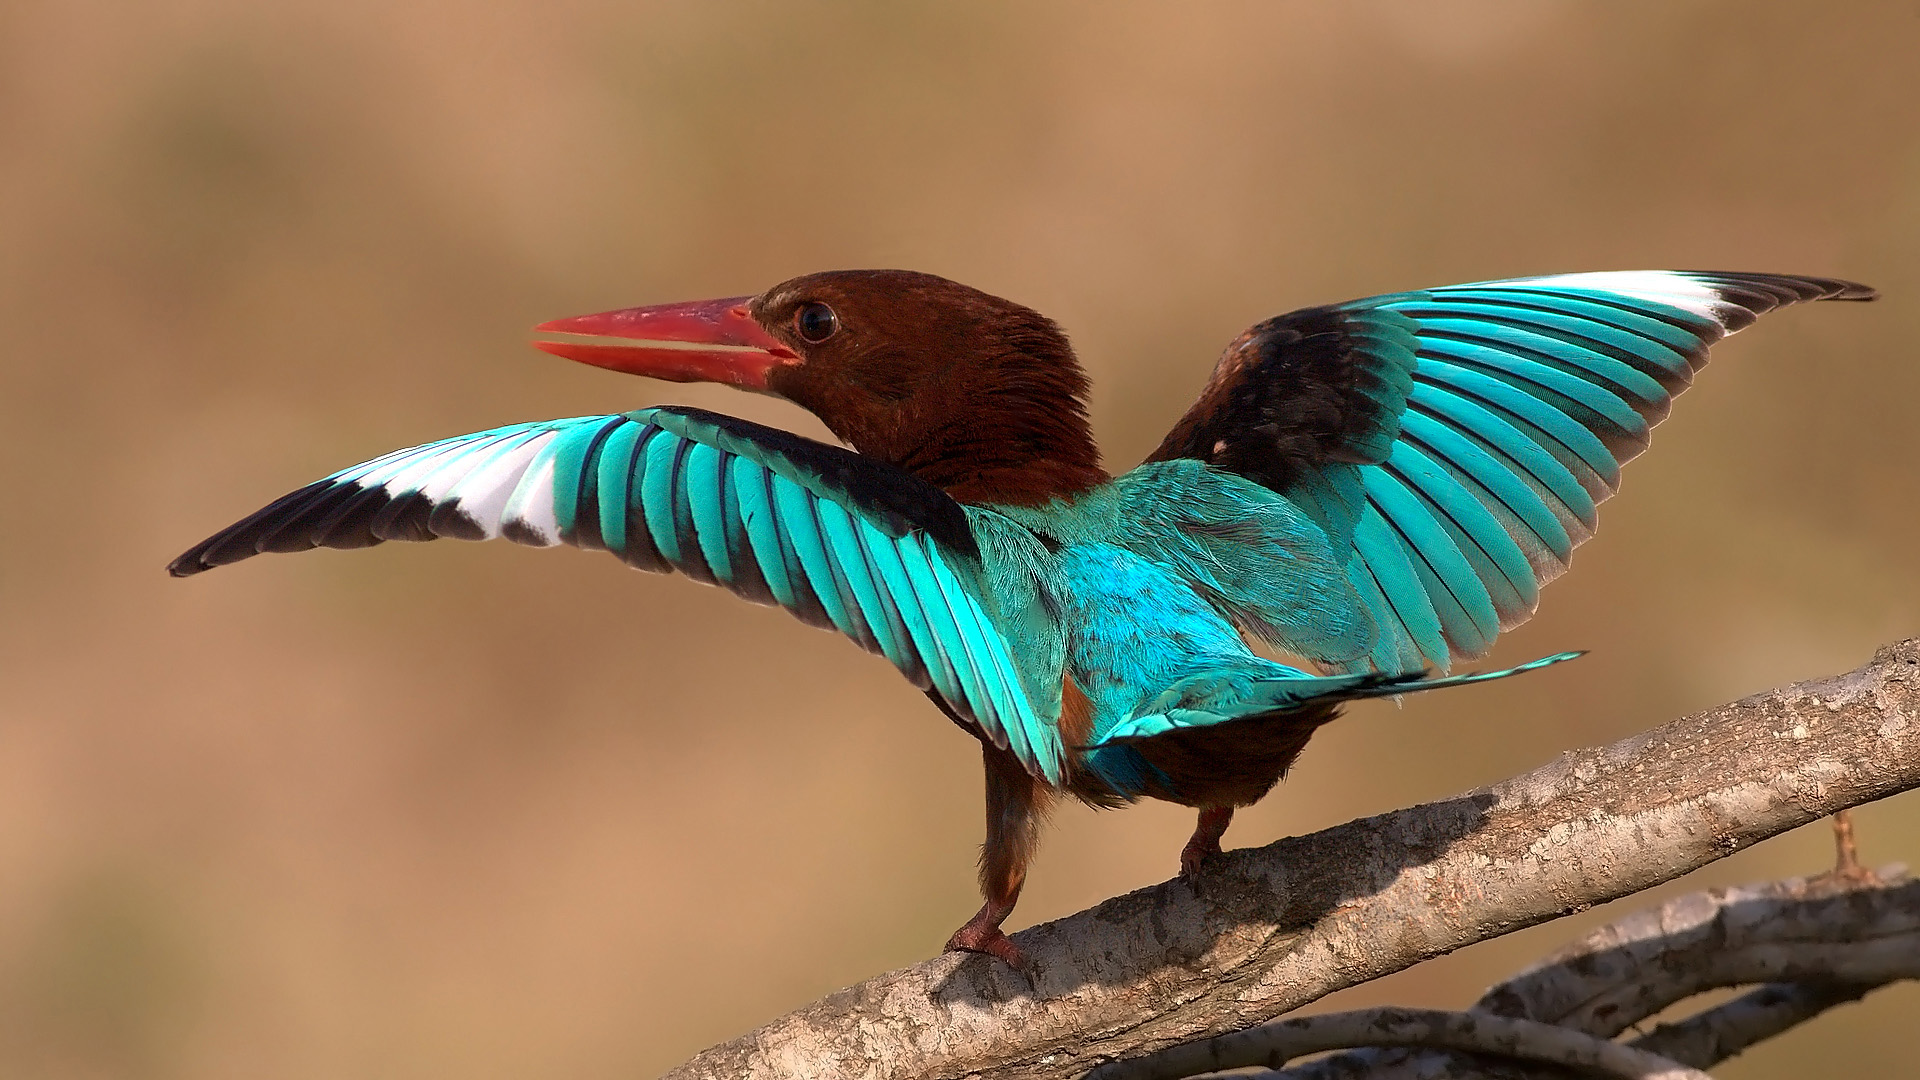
(1699, 1042)
(1277, 1043)
(1846, 856)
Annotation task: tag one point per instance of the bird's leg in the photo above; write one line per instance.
(1015, 803)
(1205, 841)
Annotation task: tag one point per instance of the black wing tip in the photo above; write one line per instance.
(1853, 291)
(215, 550)
(1791, 288)
(188, 564)
(519, 532)
(1842, 289)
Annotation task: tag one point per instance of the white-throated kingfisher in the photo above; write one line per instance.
(1376, 488)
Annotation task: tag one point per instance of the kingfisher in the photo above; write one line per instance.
(1372, 489)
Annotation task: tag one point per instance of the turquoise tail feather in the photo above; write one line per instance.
(1464, 678)
(1222, 696)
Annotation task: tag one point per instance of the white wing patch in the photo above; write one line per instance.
(1670, 287)
(417, 472)
(483, 495)
(528, 517)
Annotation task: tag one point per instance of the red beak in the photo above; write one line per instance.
(705, 341)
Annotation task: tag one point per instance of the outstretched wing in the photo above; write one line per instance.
(1456, 440)
(838, 540)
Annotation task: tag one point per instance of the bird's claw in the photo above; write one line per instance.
(1193, 859)
(989, 940)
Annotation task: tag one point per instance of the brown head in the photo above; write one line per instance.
(975, 394)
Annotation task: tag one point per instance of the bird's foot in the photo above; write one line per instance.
(1194, 856)
(979, 937)
(1204, 844)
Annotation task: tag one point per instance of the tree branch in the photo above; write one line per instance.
(1281, 926)
(1839, 936)
(1277, 1043)
(1721, 1032)
(1788, 931)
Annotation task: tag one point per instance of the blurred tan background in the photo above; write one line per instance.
(477, 811)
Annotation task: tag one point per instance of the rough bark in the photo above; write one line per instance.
(1633, 969)
(1834, 937)
(1277, 927)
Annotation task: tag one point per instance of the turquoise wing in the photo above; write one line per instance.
(840, 541)
(1455, 442)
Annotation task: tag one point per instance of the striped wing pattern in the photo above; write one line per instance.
(839, 541)
(1457, 440)
(1527, 397)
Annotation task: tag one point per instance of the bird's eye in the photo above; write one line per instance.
(815, 322)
